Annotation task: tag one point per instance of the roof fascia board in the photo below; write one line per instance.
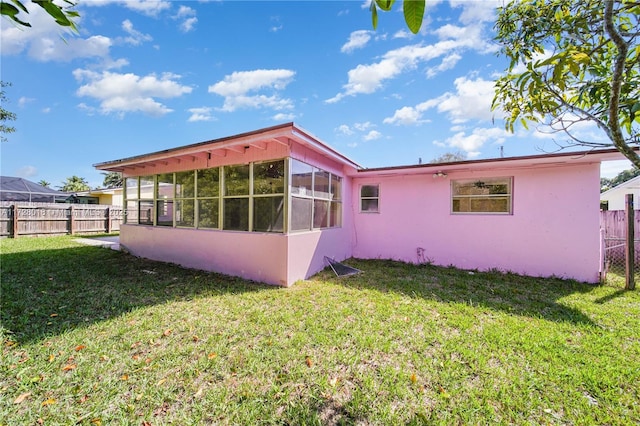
(529, 161)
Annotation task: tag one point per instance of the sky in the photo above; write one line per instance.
(142, 76)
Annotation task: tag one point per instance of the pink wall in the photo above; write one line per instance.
(553, 229)
(306, 250)
(254, 256)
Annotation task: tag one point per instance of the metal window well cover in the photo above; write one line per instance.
(339, 269)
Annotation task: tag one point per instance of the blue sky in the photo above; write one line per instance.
(145, 75)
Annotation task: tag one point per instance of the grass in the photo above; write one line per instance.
(92, 336)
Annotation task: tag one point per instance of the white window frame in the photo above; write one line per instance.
(361, 198)
(505, 179)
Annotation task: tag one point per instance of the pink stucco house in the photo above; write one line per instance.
(269, 205)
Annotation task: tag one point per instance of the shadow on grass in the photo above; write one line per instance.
(608, 298)
(48, 291)
(508, 292)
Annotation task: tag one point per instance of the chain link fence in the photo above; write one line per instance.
(614, 228)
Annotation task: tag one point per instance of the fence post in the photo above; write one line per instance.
(108, 220)
(71, 221)
(603, 257)
(14, 225)
(630, 283)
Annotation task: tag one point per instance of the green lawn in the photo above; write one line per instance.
(93, 336)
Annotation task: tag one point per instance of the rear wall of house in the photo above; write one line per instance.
(552, 230)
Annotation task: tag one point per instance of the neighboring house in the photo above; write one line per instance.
(104, 196)
(23, 190)
(269, 205)
(614, 198)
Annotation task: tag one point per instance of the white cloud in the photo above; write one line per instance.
(402, 34)
(363, 126)
(477, 11)
(357, 40)
(23, 101)
(344, 129)
(284, 117)
(372, 135)
(135, 37)
(366, 79)
(188, 24)
(122, 93)
(146, 7)
(405, 116)
(200, 114)
(448, 62)
(472, 101)
(46, 41)
(473, 142)
(235, 89)
(188, 17)
(452, 41)
(26, 172)
(362, 130)
(185, 12)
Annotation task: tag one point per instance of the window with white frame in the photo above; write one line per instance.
(139, 200)
(486, 195)
(208, 198)
(370, 199)
(236, 197)
(316, 198)
(185, 199)
(268, 196)
(164, 199)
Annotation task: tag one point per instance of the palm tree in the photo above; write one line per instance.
(44, 183)
(112, 180)
(75, 184)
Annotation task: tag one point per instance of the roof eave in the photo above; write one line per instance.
(282, 134)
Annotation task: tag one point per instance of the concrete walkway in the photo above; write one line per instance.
(110, 242)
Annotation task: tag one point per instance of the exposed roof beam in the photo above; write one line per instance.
(238, 149)
(279, 140)
(259, 145)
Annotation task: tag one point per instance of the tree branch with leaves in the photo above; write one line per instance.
(63, 14)
(5, 115)
(573, 62)
(413, 12)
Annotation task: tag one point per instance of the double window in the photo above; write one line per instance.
(489, 196)
(247, 197)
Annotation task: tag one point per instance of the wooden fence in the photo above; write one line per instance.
(39, 219)
(621, 255)
(614, 223)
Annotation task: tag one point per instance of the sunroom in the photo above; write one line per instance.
(265, 205)
(239, 197)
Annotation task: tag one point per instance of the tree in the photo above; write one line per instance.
(449, 157)
(413, 12)
(74, 184)
(44, 183)
(63, 14)
(112, 180)
(623, 176)
(573, 62)
(4, 114)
